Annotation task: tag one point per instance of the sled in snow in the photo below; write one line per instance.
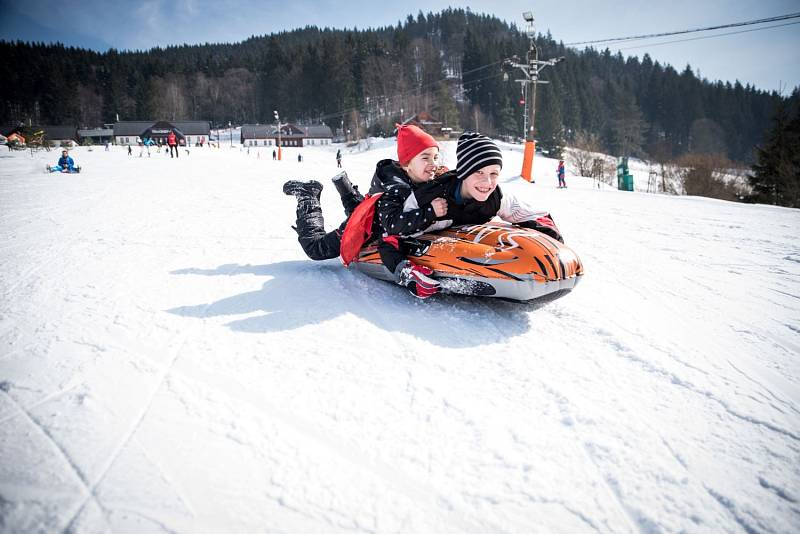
(488, 260)
(75, 170)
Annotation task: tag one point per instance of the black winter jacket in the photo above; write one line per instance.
(508, 207)
(396, 186)
(468, 212)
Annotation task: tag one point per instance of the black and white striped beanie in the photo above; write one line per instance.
(474, 152)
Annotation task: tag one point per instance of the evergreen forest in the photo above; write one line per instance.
(450, 64)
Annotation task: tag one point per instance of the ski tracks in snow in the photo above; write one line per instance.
(179, 343)
(86, 485)
(695, 391)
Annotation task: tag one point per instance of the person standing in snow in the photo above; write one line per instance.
(339, 158)
(561, 171)
(172, 141)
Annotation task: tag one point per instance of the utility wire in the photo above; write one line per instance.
(708, 36)
(695, 30)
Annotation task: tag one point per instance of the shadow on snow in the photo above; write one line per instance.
(300, 293)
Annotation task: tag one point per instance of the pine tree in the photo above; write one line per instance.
(628, 127)
(776, 175)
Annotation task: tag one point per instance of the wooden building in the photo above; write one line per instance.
(97, 136)
(291, 135)
(189, 133)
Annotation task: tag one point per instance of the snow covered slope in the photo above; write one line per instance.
(171, 361)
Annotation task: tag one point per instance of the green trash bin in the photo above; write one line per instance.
(627, 182)
(624, 178)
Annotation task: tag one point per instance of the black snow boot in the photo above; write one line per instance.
(302, 190)
(316, 243)
(348, 192)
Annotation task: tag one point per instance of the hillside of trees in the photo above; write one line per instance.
(447, 63)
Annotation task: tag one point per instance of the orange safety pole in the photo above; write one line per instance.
(527, 160)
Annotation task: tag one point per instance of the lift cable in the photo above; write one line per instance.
(695, 30)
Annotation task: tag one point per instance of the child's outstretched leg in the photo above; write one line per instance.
(348, 192)
(310, 226)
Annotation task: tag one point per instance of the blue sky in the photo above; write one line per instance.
(768, 59)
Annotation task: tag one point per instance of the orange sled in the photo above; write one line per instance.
(488, 260)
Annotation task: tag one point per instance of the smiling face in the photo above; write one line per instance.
(422, 167)
(481, 183)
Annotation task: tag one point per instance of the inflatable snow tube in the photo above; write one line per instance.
(488, 260)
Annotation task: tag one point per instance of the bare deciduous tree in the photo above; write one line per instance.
(585, 150)
(706, 175)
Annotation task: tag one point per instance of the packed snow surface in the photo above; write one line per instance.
(170, 361)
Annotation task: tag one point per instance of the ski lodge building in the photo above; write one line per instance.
(189, 133)
(60, 135)
(99, 136)
(290, 135)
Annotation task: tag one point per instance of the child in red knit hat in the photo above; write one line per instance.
(397, 210)
(390, 193)
(411, 140)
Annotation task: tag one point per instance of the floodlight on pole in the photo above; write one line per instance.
(531, 69)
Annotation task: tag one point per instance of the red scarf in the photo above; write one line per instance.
(358, 229)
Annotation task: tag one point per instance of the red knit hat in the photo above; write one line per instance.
(411, 140)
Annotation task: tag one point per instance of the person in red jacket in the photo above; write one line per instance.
(172, 141)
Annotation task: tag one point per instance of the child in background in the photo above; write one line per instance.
(65, 164)
(561, 171)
